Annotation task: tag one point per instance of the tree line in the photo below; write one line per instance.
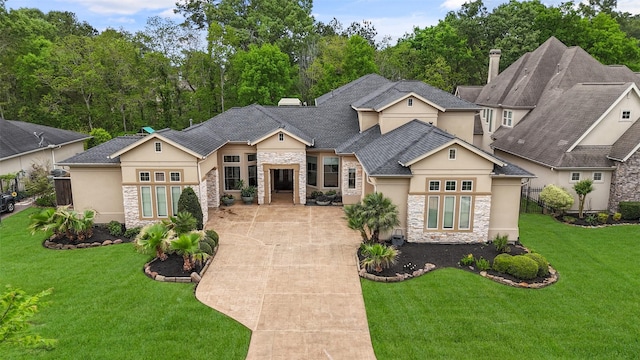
(62, 72)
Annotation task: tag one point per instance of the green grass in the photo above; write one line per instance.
(593, 311)
(104, 307)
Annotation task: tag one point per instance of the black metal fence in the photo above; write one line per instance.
(530, 200)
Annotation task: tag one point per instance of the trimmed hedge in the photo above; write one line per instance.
(501, 263)
(630, 210)
(189, 202)
(523, 267)
(543, 264)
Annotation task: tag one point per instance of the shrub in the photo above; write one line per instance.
(212, 238)
(115, 228)
(483, 264)
(523, 267)
(205, 247)
(47, 200)
(16, 310)
(603, 217)
(189, 202)
(467, 260)
(556, 197)
(543, 264)
(501, 243)
(617, 216)
(630, 210)
(582, 188)
(331, 193)
(316, 193)
(591, 219)
(378, 256)
(569, 219)
(502, 262)
(132, 232)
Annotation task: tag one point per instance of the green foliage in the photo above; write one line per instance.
(379, 214)
(501, 262)
(189, 202)
(467, 260)
(378, 256)
(523, 267)
(205, 247)
(46, 200)
(182, 223)
(187, 245)
(16, 310)
(591, 219)
(501, 243)
(37, 182)
(617, 216)
(331, 193)
(569, 219)
(315, 193)
(582, 188)
(556, 197)
(211, 237)
(115, 228)
(248, 191)
(603, 217)
(64, 222)
(630, 210)
(154, 239)
(543, 264)
(100, 136)
(355, 219)
(132, 232)
(483, 264)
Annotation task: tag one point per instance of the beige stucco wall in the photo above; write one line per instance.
(400, 113)
(145, 158)
(505, 208)
(367, 119)
(610, 128)
(46, 157)
(458, 123)
(98, 188)
(235, 149)
(207, 165)
(273, 143)
(395, 189)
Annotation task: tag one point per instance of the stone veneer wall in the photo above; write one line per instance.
(284, 158)
(213, 189)
(201, 191)
(346, 165)
(416, 232)
(625, 182)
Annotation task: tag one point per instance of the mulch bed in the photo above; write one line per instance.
(573, 219)
(172, 267)
(414, 256)
(100, 235)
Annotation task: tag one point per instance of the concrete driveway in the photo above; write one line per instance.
(289, 274)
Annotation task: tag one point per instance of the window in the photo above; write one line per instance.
(331, 165)
(159, 176)
(450, 185)
(251, 157)
(507, 118)
(231, 177)
(409, 102)
(434, 185)
(158, 146)
(490, 119)
(231, 158)
(575, 176)
(253, 175)
(467, 185)
(174, 176)
(161, 201)
(626, 115)
(597, 176)
(484, 115)
(352, 178)
(452, 154)
(145, 176)
(449, 211)
(464, 220)
(432, 212)
(175, 196)
(312, 170)
(281, 137)
(145, 197)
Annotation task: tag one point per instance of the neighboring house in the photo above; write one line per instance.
(24, 144)
(562, 115)
(406, 139)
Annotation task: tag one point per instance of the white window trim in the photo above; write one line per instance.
(174, 200)
(453, 212)
(507, 118)
(144, 172)
(437, 209)
(453, 151)
(224, 175)
(435, 181)
(593, 176)
(231, 162)
(571, 180)
(155, 176)
(324, 181)
(142, 202)
(313, 171)
(470, 212)
(622, 115)
(179, 176)
(158, 146)
(166, 201)
(355, 178)
(455, 183)
(410, 102)
(462, 185)
(281, 137)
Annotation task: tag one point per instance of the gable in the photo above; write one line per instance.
(405, 110)
(280, 140)
(466, 161)
(145, 152)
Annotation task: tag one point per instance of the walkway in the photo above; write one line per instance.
(289, 274)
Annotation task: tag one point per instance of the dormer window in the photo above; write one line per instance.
(280, 137)
(158, 146)
(626, 115)
(409, 102)
(452, 154)
(507, 118)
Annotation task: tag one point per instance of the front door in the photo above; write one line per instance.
(283, 180)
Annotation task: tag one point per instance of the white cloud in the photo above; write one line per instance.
(630, 6)
(122, 20)
(123, 7)
(396, 27)
(453, 4)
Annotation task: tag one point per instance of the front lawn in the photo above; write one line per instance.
(593, 311)
(104, 307)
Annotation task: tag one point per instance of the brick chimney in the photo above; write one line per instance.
(494, 64)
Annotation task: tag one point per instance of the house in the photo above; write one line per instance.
(562, 115)
(406, 139)
(24, 144)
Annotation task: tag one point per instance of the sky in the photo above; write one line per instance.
(390, 17)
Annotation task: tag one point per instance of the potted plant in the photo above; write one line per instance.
(331, 194)
(323, 200)
(227, 199)
(248, 193)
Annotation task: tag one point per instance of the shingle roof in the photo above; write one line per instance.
(100, 154)
(548, 132)
(626, 143)
(18, 137)
(469, 93)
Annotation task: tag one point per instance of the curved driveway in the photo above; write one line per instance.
(289, 274)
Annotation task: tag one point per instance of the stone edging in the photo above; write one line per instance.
(56, 246)
(552, 279)
(194, 277)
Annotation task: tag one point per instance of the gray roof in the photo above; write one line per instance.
(626, 143)
(19, 137)
(392, 92)
(100, 154)
(547, 133)
(469, 92)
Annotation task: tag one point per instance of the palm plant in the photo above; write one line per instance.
(154, 238)
(378, 256)
(182, 223)
(379, 214)
(83, 226)
(67, 220)
(187, 245)
(46, 220)
(355, 219)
